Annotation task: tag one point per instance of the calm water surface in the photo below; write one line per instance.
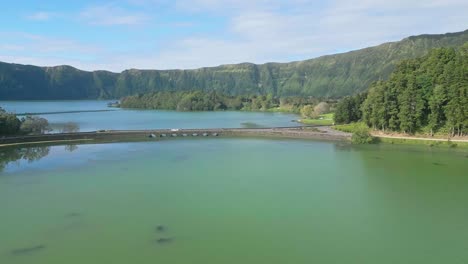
(233, 201)
(142, 119)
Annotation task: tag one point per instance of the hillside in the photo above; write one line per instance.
(426, 95)
(330, 76)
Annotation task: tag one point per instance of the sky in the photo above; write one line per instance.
(187, 34)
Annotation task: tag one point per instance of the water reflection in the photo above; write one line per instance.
(29, 154)
(64, 127)
(70, 127)
(71, 147)
(343, 146)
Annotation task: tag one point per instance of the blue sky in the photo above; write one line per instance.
(164, 34)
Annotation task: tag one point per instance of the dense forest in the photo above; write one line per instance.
(426, 95)
(213, 101)
(331, 76)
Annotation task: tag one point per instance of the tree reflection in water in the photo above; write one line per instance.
(71, 148)
(29, 154)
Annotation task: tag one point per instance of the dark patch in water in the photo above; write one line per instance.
(73, 214)
(160, 228)
(343, 147)
(27, 250)
(438, 164)
(250, 125)
(163, 240)
(377, 158)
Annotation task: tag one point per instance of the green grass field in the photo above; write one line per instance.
(348, 128)
(323, 120)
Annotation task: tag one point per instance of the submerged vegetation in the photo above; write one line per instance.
(427, 95)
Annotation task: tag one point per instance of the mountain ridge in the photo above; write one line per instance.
(257, 64)
(328, 76)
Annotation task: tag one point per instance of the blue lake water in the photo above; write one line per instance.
(142, 119)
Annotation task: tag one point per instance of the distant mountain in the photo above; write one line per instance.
(330, 76)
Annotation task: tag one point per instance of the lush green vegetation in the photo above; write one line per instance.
(11, 125)
(34, 125)
(425, 95)
(325, 77)
(321, 120)
(361, 135)
(348, 109)
(198, 101)
(361, 132)
(213, 101)
(314, 111)
(349, 128)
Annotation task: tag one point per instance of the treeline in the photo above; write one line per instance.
(11, 125)
(212, 101)
(426, 95)
(198, 101)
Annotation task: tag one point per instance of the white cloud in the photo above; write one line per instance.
(40, 16)
(46, 51)
(262, 34)
(256, 31)
(11, 47)
(111, 15)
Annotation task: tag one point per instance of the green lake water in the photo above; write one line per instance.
(233, 201)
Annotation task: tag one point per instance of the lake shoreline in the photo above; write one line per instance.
(111, 136)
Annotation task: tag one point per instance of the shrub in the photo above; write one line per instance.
(34, 125)
(361, 135)
(349, 128)
(308, 111)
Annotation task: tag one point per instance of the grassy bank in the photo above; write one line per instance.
(283, 109)
(353, 127)
(348, 128)
(322, 120)
(429, 143)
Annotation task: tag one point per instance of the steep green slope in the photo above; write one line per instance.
(329, 76)
(424, 95)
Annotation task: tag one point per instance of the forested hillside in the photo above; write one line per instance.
(331, 76)
(198, 101)
(428, 95)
